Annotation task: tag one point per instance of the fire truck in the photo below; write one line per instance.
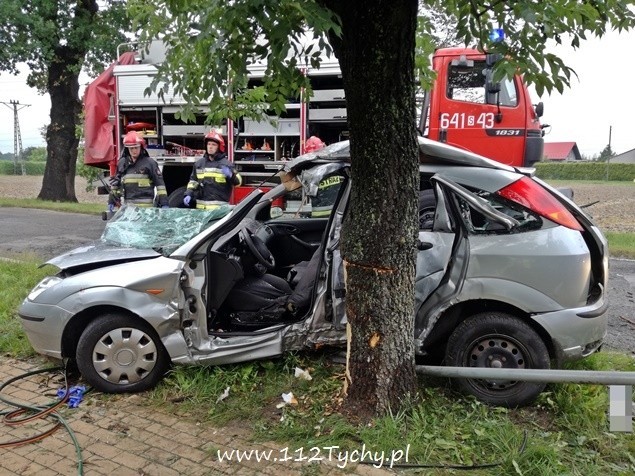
(464, 108)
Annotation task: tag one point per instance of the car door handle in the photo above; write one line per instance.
(305, 244)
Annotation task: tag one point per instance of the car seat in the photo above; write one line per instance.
(258, 301)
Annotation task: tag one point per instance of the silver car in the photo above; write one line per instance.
(510, 273)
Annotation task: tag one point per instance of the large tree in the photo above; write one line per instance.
(211, 43)
(55, 39)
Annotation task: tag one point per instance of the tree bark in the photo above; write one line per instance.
(376, 54)
(63, 86)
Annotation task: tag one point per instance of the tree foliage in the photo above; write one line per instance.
(55, 39)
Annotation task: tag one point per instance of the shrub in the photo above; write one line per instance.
(585, 171)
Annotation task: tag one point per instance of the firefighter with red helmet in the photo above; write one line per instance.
(213, 176)
(313, 144)
(137, 176)
(328, 188)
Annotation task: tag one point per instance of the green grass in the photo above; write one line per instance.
(621, 244)
(16, 280)
(565, 432)
(85, 208)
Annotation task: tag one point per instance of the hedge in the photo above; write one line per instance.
(31, 168)
(585, 171)
(544, 170)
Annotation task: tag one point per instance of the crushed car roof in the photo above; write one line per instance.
(430, 152)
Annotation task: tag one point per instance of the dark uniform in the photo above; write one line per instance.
(137, 180)
(322, 203)
(208, 181)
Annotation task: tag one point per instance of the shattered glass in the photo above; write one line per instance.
(163, 230)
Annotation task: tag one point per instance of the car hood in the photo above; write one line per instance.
(100, 254)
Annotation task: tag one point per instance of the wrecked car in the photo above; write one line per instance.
(510, 273)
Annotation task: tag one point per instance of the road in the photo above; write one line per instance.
(46, 234)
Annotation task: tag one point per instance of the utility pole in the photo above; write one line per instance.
(17, 138)
(608, 159)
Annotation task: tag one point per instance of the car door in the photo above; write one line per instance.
(444, 253)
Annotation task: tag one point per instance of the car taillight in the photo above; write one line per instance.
(531, 195)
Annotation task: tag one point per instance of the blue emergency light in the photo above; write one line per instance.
(497, 35)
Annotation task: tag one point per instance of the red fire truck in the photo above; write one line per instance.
(465, 108)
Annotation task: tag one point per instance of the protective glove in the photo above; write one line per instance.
(227, 172)
(111, 207)
(186, 200)
(167, 206)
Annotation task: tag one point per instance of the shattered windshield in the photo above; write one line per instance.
(163, 230)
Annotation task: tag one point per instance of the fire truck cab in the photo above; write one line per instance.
(466, 109)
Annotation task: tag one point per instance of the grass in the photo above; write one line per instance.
(17, 278)
(85, 208)
(565, 432)
(621, 244)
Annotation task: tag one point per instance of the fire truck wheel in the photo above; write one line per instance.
(175, 199)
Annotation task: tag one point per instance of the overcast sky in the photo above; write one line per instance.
(584, 114)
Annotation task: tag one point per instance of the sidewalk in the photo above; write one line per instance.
(120, 434)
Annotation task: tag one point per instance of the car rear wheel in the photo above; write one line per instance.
(497, 340)
(117, 354)
(427, 207)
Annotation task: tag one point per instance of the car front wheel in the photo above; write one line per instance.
(497, 340)
(118, 354)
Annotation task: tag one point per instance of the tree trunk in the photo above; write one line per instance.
(378, 239)
(63, 86)
(59, 175)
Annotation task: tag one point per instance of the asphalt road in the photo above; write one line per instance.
(46, 234)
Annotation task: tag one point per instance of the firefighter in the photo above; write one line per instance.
(328, 188)
(213, 176)
(137, 177)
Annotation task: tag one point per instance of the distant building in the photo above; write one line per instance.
(561, 152)
(627, 157)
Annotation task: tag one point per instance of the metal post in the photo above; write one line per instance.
(621, 408)
(532, 375)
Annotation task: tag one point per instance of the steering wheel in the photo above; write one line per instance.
(258, 249)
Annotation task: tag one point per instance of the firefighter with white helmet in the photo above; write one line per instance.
(213, 176)
(137, 176)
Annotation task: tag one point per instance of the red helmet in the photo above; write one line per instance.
(216, 137)
(132, 139)
(313, 143)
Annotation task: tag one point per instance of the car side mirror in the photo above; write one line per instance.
(276, 212)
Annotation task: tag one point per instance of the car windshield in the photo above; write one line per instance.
(163, 230)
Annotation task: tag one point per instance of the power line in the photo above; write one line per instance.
(17, 138)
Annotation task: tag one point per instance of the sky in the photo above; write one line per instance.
(586, 113)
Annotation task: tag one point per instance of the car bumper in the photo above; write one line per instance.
(575, 333)
(43, 325)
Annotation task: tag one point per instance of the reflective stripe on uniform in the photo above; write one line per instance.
(210, 204)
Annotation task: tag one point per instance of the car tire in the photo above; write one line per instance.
(119, 354)
(175, 199)
(427, 207)
(496, 339)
